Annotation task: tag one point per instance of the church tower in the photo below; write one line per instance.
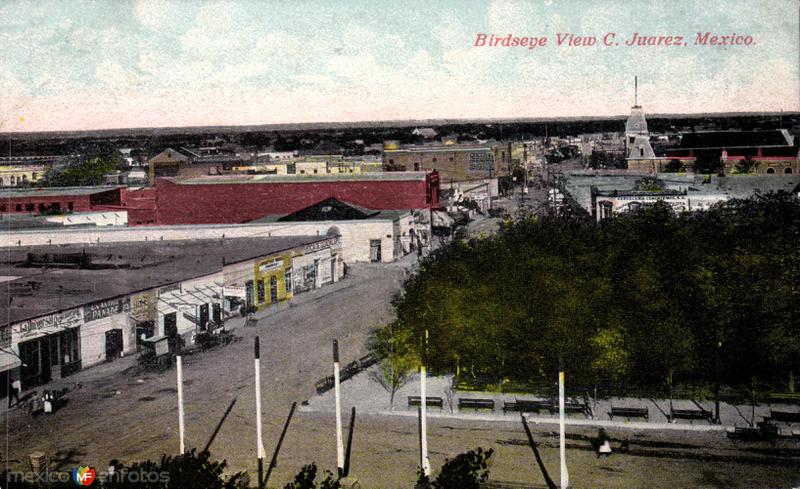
(636, 125)
(640, 155)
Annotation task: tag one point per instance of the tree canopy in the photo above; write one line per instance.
(646, 298)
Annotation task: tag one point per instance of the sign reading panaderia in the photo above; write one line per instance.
(48, 324)
(481, 161)
(100, 310)
(321, 245)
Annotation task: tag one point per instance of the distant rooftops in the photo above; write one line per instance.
(735, 139)
(10, 193)
(322, 177)
(125, 268)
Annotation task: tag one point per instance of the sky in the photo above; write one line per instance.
(79, 65)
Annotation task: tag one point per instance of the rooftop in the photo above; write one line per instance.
(324, 177)
(131, 267)
(10, 193)
(735, 139)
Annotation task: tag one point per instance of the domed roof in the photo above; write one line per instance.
(636, 122)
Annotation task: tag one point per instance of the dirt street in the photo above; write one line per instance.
(129, 416)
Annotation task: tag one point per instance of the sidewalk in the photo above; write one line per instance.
(365, 393)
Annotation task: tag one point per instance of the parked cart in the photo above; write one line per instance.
(156, 354)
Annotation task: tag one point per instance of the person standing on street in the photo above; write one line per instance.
(16, 388)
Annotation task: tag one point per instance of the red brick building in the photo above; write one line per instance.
(58, 199)
(217, 200)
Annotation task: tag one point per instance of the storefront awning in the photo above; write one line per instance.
(8, 361)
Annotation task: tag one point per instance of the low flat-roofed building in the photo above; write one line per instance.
(453, 162)
(772, 152)
(72, 306)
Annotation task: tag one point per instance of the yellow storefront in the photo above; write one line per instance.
(272, 281)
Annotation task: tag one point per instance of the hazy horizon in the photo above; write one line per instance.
(135, 64)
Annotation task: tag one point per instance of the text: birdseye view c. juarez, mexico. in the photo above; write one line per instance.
(613, 39)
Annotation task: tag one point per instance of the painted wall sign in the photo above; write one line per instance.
(47, 324)
(143, 307)
(321, 245)
(270, 266)
(483, 161)
(5, 337)
(100, 310)
(169, 288)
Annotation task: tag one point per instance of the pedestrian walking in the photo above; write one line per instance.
(13, 395)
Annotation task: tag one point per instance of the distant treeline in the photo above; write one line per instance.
(650, 298)
(307, 136)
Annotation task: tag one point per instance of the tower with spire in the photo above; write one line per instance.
(640, 155)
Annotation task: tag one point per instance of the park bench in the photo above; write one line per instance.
(573, 408)
(476, 404)
(510, 407)
(429, 401)
(745, 433)
(529, 406)
(784, 416)
(349, 370)
(629, 412)
(367, 361)
(325, 384)
(691, 414)
(784, 398)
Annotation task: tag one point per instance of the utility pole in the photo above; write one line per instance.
(561, 434)
(339, 444)
(259, 441)
(424, 462)
(181, 432)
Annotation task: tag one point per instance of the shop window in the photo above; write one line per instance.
(55, 206)
(1, 182)
(287, 280)
(787, 171)
(217, 314)
(261, 292)
(19, 208)
(30, 207)
(770, 171)
(69, 206)
(42, 208)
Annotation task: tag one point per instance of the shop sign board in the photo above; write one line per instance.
(47, 324)
(143, 307)
(100, 310)
(270, 266)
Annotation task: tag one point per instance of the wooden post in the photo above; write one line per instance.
(259, 441)
(181, 432)
(339, 444)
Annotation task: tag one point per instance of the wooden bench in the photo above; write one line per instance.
(510, 407)
(745, 433)
(429, 401)
(530, 406)
(785, 398)
(367, 361)
(573, 408)
(629, 412)
(476, 404)
(691, 414)
(325, 384)
(784, 416)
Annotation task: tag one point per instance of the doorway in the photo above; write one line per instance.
(113, 344)
(374, 250)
